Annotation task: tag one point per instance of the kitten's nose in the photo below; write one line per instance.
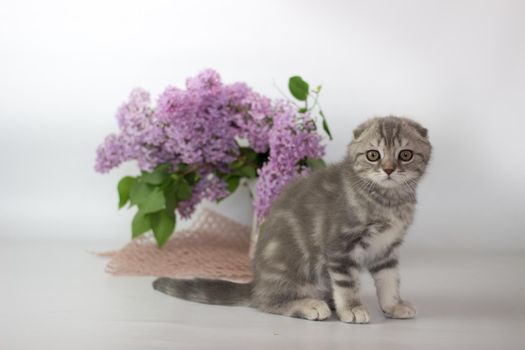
(388, 170)
(388, 166)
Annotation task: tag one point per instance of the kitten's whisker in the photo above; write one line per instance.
(369, 186)
(411, 190)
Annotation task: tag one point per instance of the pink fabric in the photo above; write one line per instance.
(214, 247)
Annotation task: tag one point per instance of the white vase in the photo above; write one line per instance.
(254, 234)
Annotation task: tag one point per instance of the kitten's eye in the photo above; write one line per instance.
(373, 155)
(405, 155)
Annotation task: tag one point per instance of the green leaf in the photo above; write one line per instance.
(124, 186)
(164, 167)
(157, 176)
(237, 164)
(325, 126)
(163, 225)
(183, 190)
(303, 110)
(140, 224)
(233, 183)
(170, 194)
(248, 171)
(327, 129)
(139, 192)
(155, 202)
(192, 178)
(315, 163)
(298, 88)
(249, 153)
(154, 178)
(183, 167)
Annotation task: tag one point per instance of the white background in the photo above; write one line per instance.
(456, 66)
(65, 66)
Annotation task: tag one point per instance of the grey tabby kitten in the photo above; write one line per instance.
(325, 228)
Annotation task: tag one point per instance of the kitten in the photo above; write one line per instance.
(323, 229)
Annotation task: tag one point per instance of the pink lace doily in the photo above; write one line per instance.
(214, 247)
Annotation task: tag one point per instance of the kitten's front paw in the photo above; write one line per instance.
(356, 314)
(312, 309)
(401, 310)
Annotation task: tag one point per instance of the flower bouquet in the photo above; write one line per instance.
(203, 141)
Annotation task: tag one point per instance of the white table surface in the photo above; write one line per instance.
(55, 295)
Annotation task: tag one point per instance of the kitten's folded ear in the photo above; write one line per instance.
(362, 127)
(422, 131)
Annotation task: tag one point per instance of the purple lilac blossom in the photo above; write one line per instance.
(209, 187)
(253, 117)
(110, 154)
(290, 142)
(199, 123)
(140, 138)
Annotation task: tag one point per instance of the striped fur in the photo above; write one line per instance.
(325, 229)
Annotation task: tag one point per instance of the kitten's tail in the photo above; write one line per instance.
(205, 291)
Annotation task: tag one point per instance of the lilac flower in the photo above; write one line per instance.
(209, 187)
(141, 136)
(198, 121)
(254, 119)
(290, 141)
(110, 154)
(207, 81)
